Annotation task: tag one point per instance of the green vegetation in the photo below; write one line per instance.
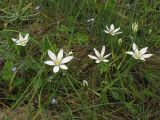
(123, 88)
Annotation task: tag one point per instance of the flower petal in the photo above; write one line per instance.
(70, 53)
(20, 37)
(52, 55)
(147, 55)
(56, 69)
(18, 43)
(60, 54)
(130, 53)
(23, 44)
(14, 40)
(98, 61)
(102, 51)
(116, 33)
(143, 50)
(116, 30)
(113, 34)
(107, 28)
(111, 27)
(64, 67)
(26, 37)
(142, 58)
(67, 59)
(93, 57)
(106, 31)
(134, 56)
(105, 60)
(134, 47)
(49, 62)
(107, 55)
(97, 53)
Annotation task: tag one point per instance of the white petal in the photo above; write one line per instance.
(134, 56)
(117, 33)
(56, 69)
(113, 34)
(60, 54)
(26, 37)
(64, 67)
(93, 57)
(130, 52)
(26, 41)
(102, 51)
(105, 60)
(107, 55)
(134, 47)
(49, 62)
(20, 37)
(116, 30)
(111, 27)
(14, 40)
(107, 28)
(143, 50)
(18, 43)
(97, 53)
(23, 44)
(106, 31)
(70, 53)
(142, 58)
(67, 59)
(98, 61)
(52, 55)
(147, 55)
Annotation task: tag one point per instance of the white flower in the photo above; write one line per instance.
(37, 8)
(100, 56)
(14, 69)
(85, 83)
(139, 54)
(90, 20)
(112, 30)
(68, 53)
(135, 27)
(58, 61)
(54, 101)
(22, 40)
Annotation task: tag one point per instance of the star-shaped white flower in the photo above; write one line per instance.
(90, 20)
(58, 61)
(22, 40)
(99, 56)
(112, 30)
(139, 54)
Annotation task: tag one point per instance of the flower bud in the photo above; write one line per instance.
(85, 83)
(135, 27)
(120, 41)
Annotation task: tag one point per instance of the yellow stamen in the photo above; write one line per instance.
(57, 61)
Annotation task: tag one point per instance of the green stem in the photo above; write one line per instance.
(20, 7)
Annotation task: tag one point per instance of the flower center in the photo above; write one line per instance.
(138, 54)
(22, 42)
(57, 61)
(100, 58)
